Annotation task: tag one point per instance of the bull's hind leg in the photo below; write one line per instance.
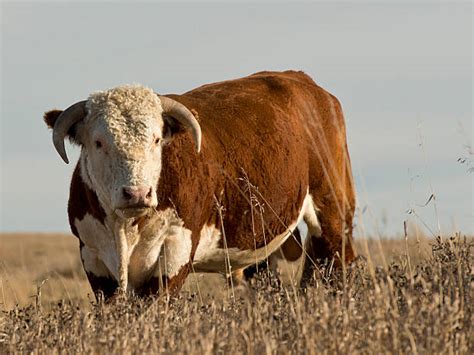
(282, 264)
(330, 241)
(286, 263)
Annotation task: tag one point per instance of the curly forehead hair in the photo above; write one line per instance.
(128, 100)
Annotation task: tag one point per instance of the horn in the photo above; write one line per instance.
(184, 116)
(65, 121)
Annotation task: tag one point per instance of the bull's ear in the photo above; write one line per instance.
(50, 117)
(173, 127)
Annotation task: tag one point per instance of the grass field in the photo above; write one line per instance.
(405, 296)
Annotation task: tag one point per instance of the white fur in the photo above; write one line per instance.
(92, 263)
(99, 253)
(303, 229)
(176, 252)
(310, 218)
(209, 240)
(121, 233)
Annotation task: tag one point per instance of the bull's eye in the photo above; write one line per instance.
(157, 140)
(98, 144)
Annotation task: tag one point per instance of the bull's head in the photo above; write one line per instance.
(122, 132)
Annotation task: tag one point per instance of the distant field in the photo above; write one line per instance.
(390, 303)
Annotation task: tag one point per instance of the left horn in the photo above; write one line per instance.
(184, 116)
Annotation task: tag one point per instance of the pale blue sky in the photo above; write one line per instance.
(400, 70)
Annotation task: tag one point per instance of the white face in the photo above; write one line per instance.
(122, 139)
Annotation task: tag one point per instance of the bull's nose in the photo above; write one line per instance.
(137, 195)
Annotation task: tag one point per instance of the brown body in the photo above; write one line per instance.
(268, 139)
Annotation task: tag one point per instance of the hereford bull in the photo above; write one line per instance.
(212, 180)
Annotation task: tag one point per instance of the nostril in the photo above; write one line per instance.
(126, 193)
(136, 195)
(148, 195)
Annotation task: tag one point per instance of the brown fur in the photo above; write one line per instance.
(51, 116)
(82, 200)
(292, 248)
(280, 131)
(266, 138)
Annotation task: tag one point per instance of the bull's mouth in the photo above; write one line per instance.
(132, 212)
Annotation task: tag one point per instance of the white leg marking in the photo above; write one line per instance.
(99, 243)
(92, 263)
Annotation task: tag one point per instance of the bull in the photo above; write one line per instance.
(213, 180)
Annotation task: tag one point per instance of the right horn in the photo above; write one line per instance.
(64, 122)
(184, 116)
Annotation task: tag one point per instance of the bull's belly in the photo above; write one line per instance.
(211, 257)
(218, 259)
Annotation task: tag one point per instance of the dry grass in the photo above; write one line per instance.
(26, 260)
(424, 306)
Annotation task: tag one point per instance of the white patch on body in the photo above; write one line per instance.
(303, 229)
(208, 241)
(212, 258)
(310, 218)
(176, 252)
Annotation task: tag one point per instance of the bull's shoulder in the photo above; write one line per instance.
(82, 201)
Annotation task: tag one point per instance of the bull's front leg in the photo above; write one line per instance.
(173, 265)
(103, 284)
